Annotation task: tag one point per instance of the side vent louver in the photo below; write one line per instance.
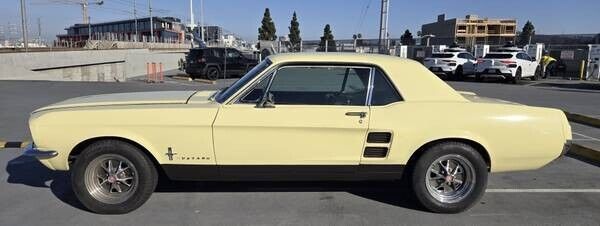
(379, 137)
(375, 152)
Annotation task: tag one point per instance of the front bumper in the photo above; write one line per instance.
(32, 151)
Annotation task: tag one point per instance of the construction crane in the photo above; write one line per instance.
(84, 9)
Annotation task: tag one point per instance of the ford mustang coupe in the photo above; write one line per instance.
(298, 117)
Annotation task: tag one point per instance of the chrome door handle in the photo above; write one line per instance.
(361, 114)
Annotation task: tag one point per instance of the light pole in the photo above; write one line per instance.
(135, 21)
(428, 37)
(24, 26)
(151, 22)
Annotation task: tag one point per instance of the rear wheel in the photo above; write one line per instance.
(449, 177)
(537, 75)
(517, 78)
(212, 73)
(478, 78)
(458, 74)
(113, 177)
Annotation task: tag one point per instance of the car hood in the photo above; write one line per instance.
(161, 97)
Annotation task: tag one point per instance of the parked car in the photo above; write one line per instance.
(510, 64)
(211, 63)
(301, 116)
(451, 64)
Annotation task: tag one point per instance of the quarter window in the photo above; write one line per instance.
(320, 85)
(384, 92)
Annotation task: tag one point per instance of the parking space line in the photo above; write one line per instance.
(542, 190)
(586, 136)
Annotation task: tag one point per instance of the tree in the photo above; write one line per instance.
(526, 34)
(327, 38)
(294, 34)
(407, 38)
(267, 31)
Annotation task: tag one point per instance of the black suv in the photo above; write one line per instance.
(211, 63)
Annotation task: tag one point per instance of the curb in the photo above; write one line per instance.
(585, 152)
(583, 119)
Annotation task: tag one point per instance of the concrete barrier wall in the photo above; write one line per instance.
(93, 65)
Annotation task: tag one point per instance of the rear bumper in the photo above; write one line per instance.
(495, 72)
(32, 151)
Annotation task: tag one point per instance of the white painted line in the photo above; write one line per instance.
(585, 136)
(535, 190)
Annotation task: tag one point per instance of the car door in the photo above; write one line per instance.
(312, 119)
(525, 63)
(468, 65)
(235, 65)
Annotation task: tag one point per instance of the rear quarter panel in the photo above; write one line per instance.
(516, 137)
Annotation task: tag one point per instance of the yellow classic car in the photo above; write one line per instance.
(302, 116)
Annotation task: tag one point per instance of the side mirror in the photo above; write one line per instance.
(266, 102)
(533, 59)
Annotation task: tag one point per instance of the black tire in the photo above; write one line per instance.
(478, 78)
(458, 74)
(213, 73)
(517, 78)
(537, 74)
(421, 174)
(141, 190)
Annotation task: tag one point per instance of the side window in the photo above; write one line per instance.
(232, 53)
(462, 56)
(217, 53)
(471, 57)
(384, 92)
(320, 86)
(257, 92)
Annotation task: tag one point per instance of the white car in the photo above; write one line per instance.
(509, 64)
(451, 64)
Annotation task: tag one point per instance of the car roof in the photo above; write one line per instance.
(411, 78)
(513, 53)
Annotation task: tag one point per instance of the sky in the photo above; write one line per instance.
(346, 17)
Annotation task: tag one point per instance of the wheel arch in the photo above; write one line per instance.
(77, 149)
(476, 145)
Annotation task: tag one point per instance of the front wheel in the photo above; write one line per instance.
(449, 177)
(113, 177)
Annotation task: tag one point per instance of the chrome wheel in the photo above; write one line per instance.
(450, 178)
(111, 178)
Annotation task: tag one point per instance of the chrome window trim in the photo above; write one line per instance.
(370, 87)
(236, 97)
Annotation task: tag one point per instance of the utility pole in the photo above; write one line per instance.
(39, 23)
(24, 26)
(89, 29)
(192, 24)
(135, 21)
(151, 22)
(383, 25)
(84, 11)
(202, 21)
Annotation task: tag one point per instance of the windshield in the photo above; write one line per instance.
(498, 56)
(442, 55)
(226, 93)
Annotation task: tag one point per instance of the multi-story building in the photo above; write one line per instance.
(166, 29)
(470, 31)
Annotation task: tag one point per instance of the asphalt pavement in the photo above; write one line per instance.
(566, 192)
